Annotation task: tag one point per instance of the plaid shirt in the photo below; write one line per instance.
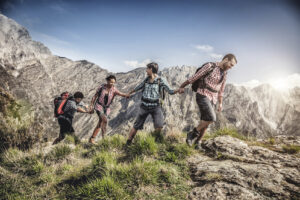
(151, 91)
(111, 94)
(212, 81)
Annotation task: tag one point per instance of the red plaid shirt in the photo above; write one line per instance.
(111, 94)
(212, 81)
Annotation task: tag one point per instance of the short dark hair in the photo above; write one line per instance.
(153, 66)
(230, 57)
(111, 77)
(78, 95)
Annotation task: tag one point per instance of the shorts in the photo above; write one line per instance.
(103, 112)
(206, 108)
(157, 116)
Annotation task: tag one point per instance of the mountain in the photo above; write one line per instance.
(30, 71)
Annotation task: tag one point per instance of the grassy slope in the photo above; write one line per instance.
(108, 170)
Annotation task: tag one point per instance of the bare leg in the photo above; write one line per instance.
(103, 126)
(132, 134)
(95, 133)
(200, 135)
(203, 125)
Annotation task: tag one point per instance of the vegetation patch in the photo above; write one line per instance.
(227, 131)
(291, 149)
(18, 125)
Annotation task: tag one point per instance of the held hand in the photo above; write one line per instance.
(91, 110)
(181, 90)
(127, 95)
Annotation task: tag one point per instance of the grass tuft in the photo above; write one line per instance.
(226, 131)
(291, 149)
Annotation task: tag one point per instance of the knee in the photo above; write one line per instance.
(104, 120)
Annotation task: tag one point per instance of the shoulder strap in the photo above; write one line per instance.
(211, 70)
(100, 90)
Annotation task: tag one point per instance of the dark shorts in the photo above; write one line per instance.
(65, 126)
(99, 113)
(157, 116)
(206, 109)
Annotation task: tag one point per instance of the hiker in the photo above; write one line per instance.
(65, 113)
(209, 83)
(101, 103)
(150, 102)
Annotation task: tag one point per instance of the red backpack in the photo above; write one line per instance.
(61, 102)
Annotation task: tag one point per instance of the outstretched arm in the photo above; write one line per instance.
(123, 94)
(204, 70)
(81, 110)
(184, 84)
(137, 88)
(165, 85)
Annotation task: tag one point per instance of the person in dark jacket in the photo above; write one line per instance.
(65, 120)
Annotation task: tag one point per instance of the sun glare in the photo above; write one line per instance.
(285, 83)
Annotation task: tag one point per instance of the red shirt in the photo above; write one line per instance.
(213, 81)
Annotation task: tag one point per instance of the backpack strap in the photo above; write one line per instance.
(204, 82)
(98, 94)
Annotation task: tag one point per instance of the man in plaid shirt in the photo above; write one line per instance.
(150, 101)
(214, 77)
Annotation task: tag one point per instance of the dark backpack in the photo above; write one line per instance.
(200, 83)
(61, 102)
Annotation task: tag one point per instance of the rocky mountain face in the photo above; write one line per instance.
(29, 71)
(233, 169)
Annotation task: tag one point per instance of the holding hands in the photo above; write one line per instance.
(179, 90)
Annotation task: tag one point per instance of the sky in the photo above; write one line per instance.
(122, 35)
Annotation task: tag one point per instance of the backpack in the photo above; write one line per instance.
(161, 90)
(200, 83)
(61, 102)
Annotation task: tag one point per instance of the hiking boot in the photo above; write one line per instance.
(189, 139)
(158, 136)
(57, 140)
(92, 140)
(190, 136)
(198, 145)
(128, 143)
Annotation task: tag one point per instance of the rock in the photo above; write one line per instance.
(239, 171)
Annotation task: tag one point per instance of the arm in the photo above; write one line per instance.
(205, 69)
(81, 110)
(139, 87)
(93, 101)
(165, 85)
(220, 94)
(122, 94)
